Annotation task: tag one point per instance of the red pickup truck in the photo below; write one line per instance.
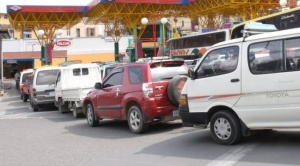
(25, 88)
(138, 93)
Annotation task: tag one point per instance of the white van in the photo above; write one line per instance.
(72, 85)
(256, 90)
(42, 86)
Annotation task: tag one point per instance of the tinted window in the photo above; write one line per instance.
(76, 72)
(46, 77)
(167, 70)
(85, 71)
(266, 57)
(108, 70)
(114, 80)
(135, 75)
(220, 61)
(292, 52)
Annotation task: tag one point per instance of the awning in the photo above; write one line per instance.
(4, 34)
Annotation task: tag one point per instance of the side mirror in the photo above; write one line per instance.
(98, 85)
(191, 73)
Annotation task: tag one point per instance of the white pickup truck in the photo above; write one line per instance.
(72, 85)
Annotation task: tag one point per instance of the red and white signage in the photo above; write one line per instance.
(63, 43)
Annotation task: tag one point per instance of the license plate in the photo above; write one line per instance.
(51, 93)
(176, 113)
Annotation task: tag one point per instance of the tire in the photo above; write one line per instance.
(25, 97)
(75, 111)
(90, 116)
(225, 128)
(62, 108)
(174, 88)
(35, 109)
(136, 120)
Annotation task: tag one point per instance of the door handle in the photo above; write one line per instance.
(235, 80)
(117, 91)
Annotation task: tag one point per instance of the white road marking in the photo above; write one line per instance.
(232, 157)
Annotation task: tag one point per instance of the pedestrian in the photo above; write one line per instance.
(17, 79)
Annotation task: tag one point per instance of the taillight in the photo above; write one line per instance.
(148, 90)
(34, 92)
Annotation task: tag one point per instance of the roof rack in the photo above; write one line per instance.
(253, 28)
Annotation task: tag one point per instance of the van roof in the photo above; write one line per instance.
(27, 71)
(80, 65)
(292, 32)
(48, 67)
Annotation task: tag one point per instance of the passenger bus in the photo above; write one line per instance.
(195, 45)
(287, 19)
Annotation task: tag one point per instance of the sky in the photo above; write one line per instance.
(3, 3)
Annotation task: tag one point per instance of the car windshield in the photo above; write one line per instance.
(46, 77)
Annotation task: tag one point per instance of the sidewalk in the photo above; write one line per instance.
(7, 85)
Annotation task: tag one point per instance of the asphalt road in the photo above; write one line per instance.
(50, 138)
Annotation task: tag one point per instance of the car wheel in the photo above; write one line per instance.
(91, 118)
(76, 113)
(35, 108)
(225, 128)
(25, 97)
(175, 87)
(62, 107)
(136, 121)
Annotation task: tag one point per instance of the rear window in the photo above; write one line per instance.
(46, 77)
(24, 77)
(167, 70)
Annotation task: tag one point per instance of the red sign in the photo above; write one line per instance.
(63, 43)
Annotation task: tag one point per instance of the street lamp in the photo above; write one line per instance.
(47, 43)
(282, 3)
(163, 20)
(42, 42)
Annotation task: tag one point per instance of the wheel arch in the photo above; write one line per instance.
(130, 104)
(85, 103)
(213, 110)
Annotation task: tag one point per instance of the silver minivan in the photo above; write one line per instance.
(42, 89)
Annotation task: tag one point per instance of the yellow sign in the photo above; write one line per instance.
(176, 35)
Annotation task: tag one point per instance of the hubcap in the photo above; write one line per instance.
(222, 128)
(135, 120)
(89, 114)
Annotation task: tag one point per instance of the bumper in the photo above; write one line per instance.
(43, 100)
(164, 113)
(191, 119)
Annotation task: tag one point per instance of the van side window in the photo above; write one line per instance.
(292, 52)
(266, 57)
(219, 61)
(76, 72)
(85, 71)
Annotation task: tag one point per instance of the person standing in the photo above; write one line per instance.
(17, 79)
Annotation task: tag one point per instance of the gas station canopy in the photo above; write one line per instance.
(130, 12)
